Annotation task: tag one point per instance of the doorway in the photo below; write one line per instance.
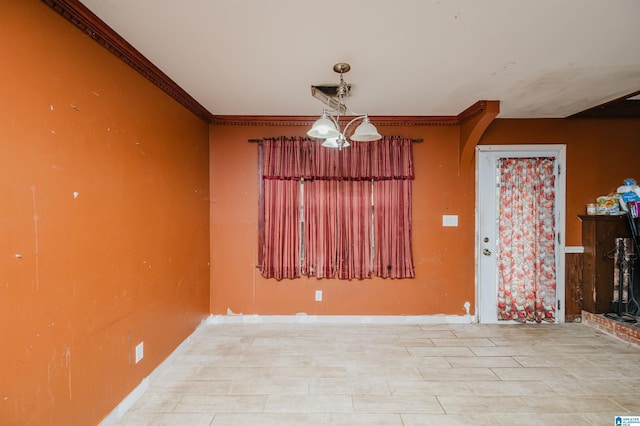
(527, 278)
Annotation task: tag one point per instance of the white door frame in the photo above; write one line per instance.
(559, 152)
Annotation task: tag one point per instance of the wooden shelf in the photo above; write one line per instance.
(599, 233)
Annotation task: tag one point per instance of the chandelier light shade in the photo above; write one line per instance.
(328, 126)
(365, 132)
(323, 128)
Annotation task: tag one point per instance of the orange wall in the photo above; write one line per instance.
(600, 154)
(85, 278)
(443, 256)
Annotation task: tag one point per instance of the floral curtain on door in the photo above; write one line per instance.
(526, 259)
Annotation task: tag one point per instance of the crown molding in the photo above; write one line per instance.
(279, 120)
(474, 110)
(80, 16)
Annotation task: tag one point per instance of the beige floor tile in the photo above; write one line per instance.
(185, 387)
(433, 388)
(220, 403)
(439, 351)
(511, 351)
(463, 342)
(378, 374)
(312, 419)
(629, 401)
(456, 374)
(270, 386)
(543, 360)
(501, 419)
(309, 372)
(354, 419)
(568, 349)
(385, 371)
(482, 361)
(410, 341)
(232, 373)
(510, 341)
(365, 386)
(484, 404)
(606, 358)
(180, 372)
(452, 420)
(156, 402)
(396, 404)
(487, 332)
(571, 404)
(602, 419)
(510, 388)
(598, 372)
(439, 334)
(426, 361)
(309, 404)
(166, 419)
(172, 419)
(534, 373)
(276, 361)
(261, 419)
(593, 387)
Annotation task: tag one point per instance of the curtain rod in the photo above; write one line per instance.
(418, 140)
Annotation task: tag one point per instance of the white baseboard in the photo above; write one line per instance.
(342, 319)
(574, 249)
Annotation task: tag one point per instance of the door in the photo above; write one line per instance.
(493, 255)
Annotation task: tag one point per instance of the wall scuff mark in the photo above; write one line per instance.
(67, 354)
(35, 224)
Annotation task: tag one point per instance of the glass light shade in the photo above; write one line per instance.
(323, 128)
(333, 143)
(366, 132)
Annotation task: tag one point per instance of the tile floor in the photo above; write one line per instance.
(408, 374)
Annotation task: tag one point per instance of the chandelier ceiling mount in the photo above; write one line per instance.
(328, 126)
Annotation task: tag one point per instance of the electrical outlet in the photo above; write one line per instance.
(318, 295)
(139, 352)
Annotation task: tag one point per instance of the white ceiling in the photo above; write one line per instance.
(539, 58)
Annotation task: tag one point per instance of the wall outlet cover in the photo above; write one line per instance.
(139, 352)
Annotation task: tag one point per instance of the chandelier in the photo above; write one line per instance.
(328, 126)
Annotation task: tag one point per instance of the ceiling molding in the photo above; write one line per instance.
(80, 16)
(474, 110)
(278, 120)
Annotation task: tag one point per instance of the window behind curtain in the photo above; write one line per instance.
(335, 213)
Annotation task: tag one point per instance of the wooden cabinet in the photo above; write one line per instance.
(599, 235)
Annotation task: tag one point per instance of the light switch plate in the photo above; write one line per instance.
(449, 220)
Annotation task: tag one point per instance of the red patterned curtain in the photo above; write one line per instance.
(281, 163)
(320, 225)
(354, 230)
(526, 260)
(338, 187)
(392, 164)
